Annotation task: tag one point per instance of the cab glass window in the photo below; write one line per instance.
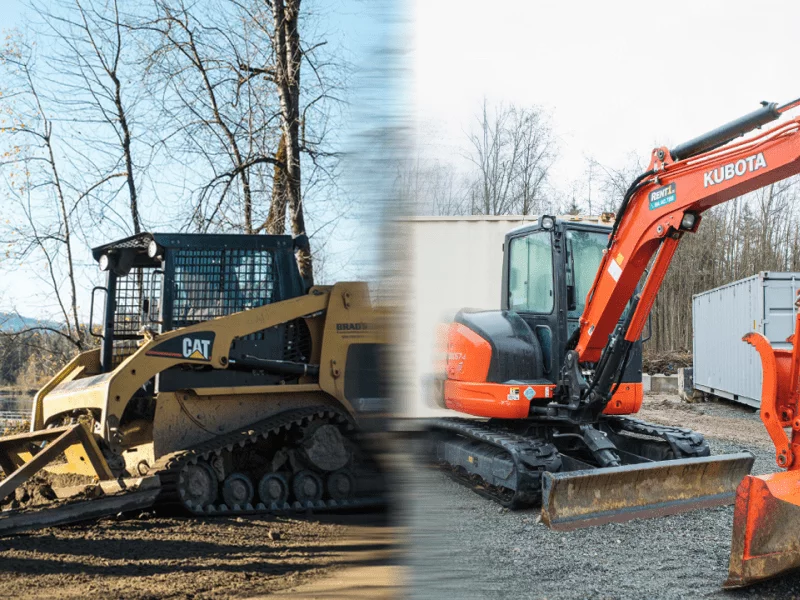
(530, 274)
(584, 253)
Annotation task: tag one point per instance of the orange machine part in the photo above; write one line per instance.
(766, 527)
(466, 389)
(508, 401)
(468, 354)
(766, 518)
(626, 399)
(494, 400)
(778, 397)
(695, 184)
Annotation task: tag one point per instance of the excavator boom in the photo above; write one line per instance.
(660, 207)
(666, 202)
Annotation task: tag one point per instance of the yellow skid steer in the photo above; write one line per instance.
(222, 384)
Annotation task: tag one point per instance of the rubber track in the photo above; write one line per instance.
(684, 442)
(169, 466)
(531, 457)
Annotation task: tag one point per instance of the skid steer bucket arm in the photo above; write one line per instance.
(25, 454)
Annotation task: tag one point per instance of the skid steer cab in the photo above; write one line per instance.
(202, 337)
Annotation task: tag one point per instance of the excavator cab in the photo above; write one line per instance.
(548, 270)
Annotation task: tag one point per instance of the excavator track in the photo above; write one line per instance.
(508, 466)
(680, 441)
(190, 475)
(501, 465)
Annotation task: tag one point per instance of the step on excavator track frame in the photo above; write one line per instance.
(171, 467)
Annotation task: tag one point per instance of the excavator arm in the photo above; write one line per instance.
(590, 468)
(662, 205)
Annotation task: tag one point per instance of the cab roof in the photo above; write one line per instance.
(139, 243)
(603, 221)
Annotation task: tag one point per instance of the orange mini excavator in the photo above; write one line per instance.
(549, 373)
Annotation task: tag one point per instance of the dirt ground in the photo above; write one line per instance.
(440, 540)
(242, 557)
(464, 546)
(717, 419)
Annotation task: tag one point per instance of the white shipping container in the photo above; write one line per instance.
(724, 365)
(453, 263)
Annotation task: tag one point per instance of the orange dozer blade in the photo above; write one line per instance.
(572, 500)
(766, 528)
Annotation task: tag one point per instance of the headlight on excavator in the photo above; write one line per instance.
(547, 222)
(104, 263)
(688, 221)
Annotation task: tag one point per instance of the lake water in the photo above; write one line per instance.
(15, 406)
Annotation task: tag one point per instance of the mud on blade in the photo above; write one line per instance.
(576, 499)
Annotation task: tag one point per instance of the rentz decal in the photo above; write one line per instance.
(191, 347)
(662, 196)
(734, 169)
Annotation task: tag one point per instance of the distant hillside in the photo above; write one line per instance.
(10, 322)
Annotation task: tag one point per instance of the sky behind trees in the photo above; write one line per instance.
(360, 38)
(617, 77)
(611, 79)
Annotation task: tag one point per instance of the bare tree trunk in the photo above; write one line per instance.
(76, 323)
(276, 219)
(513, 152)
(287, 74)
(191, 49)
(110, 65)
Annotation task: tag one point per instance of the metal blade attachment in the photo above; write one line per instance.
(576, 499)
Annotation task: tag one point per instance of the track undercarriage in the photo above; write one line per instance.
(300, 459)
(524, 463)
(305, 459)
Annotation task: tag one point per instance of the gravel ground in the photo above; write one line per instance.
(464, 546)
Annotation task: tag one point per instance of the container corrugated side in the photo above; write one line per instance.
(723, 364)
